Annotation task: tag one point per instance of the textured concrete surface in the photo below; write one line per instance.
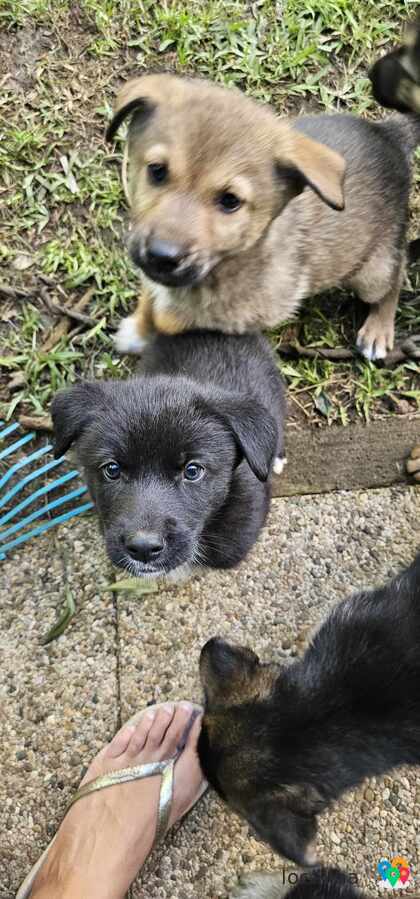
(62, 702)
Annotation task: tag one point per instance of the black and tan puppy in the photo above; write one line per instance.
(178, 460)
(396, 77)
(237, 215)
(281, 744)
(317, 883)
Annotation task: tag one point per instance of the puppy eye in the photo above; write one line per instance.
(193, 471)
(228, 202)
(111, 471)
(157, 172)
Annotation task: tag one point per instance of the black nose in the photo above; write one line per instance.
(164, 254)
(144, 546)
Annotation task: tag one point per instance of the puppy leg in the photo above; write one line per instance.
(378, 284)
(413, 463)
(168, 322)
(280, 460)
(260, 885)
(135, 331)
(278, 464)
(376, 338)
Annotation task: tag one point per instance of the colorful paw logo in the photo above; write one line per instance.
(396, 872)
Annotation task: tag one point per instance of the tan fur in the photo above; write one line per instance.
(257, 264)
(413, 463)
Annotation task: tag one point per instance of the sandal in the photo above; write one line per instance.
(164, 769)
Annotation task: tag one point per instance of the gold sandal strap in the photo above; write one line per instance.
(139, 772)
(165, 802)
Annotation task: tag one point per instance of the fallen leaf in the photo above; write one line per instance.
(64, 619)
(22, 261)
(323, 404)
(133, 585)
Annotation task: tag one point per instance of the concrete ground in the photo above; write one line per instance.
(61, 702)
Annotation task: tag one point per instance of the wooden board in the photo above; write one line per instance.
(337, 458)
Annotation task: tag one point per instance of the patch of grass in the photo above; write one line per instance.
(62, 211)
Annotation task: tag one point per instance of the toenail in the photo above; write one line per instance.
(151, 714)
(168, 708)
(188, 706)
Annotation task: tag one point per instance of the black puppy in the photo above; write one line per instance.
(281, 744)
(177, 460)
(318, 883)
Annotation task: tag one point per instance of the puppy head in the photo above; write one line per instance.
(209, 171)
(160, 459)
(248, 756)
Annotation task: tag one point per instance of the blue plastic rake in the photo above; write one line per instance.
(12, 535)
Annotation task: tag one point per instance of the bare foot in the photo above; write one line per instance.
(105, 837)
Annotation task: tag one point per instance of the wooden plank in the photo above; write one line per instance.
(337, 458)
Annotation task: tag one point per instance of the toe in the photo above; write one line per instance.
(175, 735)
(141, 732)
(120, 742)
(163, 718)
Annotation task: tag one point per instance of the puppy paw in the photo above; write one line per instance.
(413, 463)
(376, 338)
(127, 338)
(278, 464)
(260, 885)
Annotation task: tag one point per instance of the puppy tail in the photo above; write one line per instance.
(396, 77)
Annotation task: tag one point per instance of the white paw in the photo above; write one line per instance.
(374, 341)
(371, 350)
(279, 464)
(260, 885)
(127, 338)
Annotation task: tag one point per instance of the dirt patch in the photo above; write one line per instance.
(20, 53)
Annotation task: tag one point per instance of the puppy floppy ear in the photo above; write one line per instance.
(71, 412)
(141, 94)
(255, 432)
(303, 162)
(287, 832)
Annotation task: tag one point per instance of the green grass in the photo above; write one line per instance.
(62, 211)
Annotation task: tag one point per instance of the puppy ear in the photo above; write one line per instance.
(287, 832)
(303, 162)
(225, 660)
(71, 412)
(255, 431)
(142, 94)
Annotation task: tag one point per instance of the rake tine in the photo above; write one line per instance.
(14, 446)
(42, 511)
(9, 430)
(44, 527)
(25, 461)
(31, 477)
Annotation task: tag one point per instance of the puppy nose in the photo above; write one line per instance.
(164, 254)
(144, 546)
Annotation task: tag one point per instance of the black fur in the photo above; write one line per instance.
(324, 883)
(281, 744)
(202, 397)
(394, 74)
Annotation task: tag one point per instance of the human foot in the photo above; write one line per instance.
(105, 837)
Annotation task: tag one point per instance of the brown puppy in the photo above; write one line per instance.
(237, 215)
